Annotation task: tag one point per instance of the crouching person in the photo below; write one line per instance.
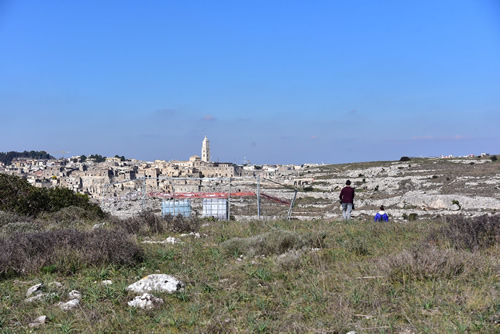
(381, 215)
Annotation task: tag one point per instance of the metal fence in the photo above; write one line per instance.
(222, 198)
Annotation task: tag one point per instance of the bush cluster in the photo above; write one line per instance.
(65, 251)
(68, 217)
(469, 233)
(423, 263)
(17, 195)
(148, 222)
(11, 223)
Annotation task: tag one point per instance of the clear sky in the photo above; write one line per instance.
(267, 80)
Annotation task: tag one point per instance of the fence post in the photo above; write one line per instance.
(258, 196)
(173, 196)
(105, 188)
(144, 194)
(292, 204)
(229, 202)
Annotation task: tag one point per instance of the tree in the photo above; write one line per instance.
(7, 158)
(97, 157)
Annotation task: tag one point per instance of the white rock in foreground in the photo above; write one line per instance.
(39, 297)
(157, 282)
(38, 321)
(35, 289)
(146, 301)
(74, 294)
(69, 305)
(169, 240)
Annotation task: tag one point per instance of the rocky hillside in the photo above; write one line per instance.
(425, 187)
(419, 188)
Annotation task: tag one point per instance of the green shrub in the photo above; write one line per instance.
(17, 195)
(412, 217)
(457, 203)
(59, 198)
(68, 217)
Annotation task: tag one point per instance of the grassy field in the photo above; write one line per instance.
(268, 277)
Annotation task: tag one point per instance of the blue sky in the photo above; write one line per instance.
(269, 81)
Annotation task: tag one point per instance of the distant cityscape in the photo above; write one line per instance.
(89, 175)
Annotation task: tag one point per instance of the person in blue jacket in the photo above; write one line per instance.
(381, 215)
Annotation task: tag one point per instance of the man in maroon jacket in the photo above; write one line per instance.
(347, 200)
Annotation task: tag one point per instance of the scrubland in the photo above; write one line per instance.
(262, 276)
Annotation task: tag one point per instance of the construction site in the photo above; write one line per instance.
(220, 198)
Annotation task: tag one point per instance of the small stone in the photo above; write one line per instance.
(55, 284)
(106, 282)
(98, 225)
(69, 305)
(171, 240)
(74, 294)
(35, 289)
(156, 282)
(146, 301)
(38, 321)
(35, 298)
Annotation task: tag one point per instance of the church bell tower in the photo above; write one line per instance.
(205, 150)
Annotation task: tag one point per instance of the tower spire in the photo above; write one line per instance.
(205, 150)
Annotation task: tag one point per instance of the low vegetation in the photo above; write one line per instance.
(65, 251)
(418, 276)
(17, 195)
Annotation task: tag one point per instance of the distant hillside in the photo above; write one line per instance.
(7, 157)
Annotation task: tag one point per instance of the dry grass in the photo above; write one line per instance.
(424, 263)
(469, 233)
(356, 276)
(147, 223)
(272, 243)
(65, 251)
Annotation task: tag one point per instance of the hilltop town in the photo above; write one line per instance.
(89, 175)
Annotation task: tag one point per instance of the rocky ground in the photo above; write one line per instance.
(425, 187)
